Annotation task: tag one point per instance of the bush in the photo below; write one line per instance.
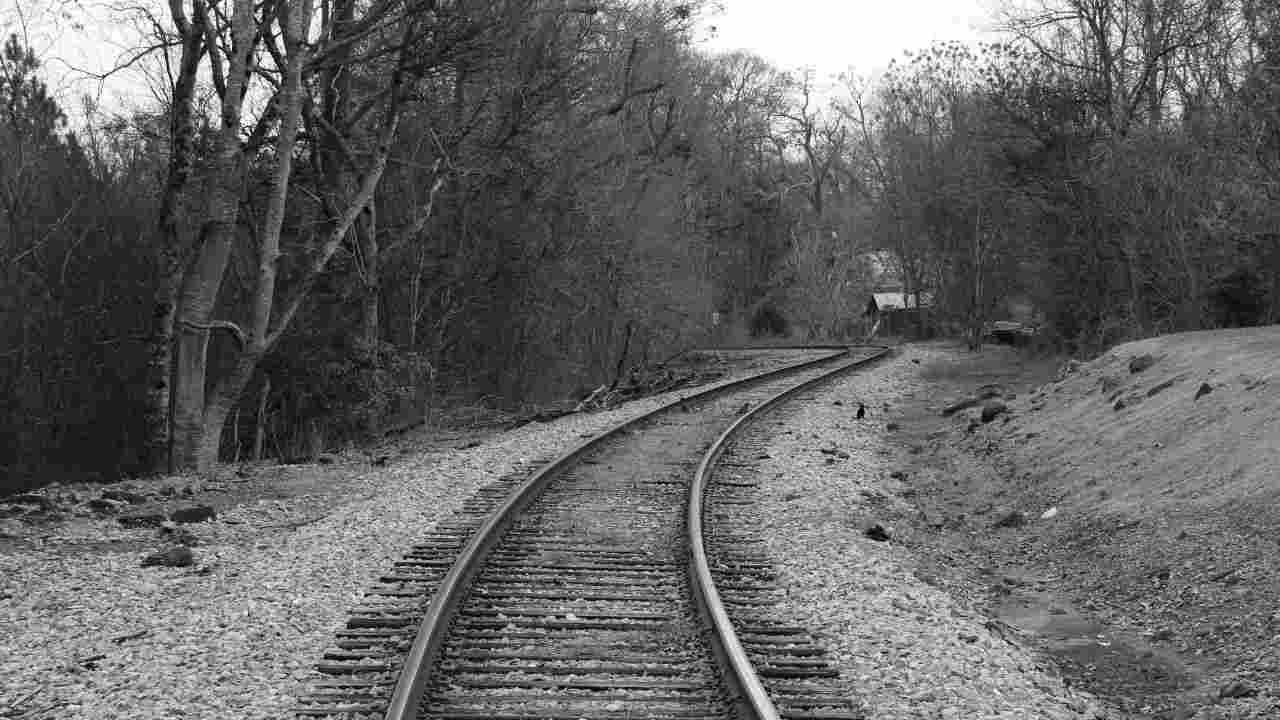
(766, 320)
(1238, 298)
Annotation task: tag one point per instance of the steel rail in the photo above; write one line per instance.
(750, 697)
(415, 673)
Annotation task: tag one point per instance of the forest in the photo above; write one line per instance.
(342, 215)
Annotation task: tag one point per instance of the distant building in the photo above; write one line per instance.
(891, 312)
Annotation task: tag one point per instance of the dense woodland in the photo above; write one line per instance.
(342, 214)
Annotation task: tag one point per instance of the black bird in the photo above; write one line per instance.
(862, 411)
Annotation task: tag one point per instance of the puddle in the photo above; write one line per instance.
(1119, 664)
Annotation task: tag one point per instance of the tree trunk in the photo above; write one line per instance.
(171, 250)
(199, 294)
(204, 278)
(157, 442)
(367, 230)
(260, 429)
(220, 404)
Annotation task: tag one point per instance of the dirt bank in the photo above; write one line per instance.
(1124, 517)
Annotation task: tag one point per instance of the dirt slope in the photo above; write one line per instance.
(1169, 450)
(1127, 527)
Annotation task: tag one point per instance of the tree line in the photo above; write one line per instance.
(343, 213)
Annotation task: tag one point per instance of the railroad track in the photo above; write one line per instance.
(590, 590)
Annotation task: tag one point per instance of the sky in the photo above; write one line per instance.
(831, 36)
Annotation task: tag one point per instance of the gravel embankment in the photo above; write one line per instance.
(87, 633)
(906, 647)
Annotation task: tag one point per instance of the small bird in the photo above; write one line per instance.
(862, 411)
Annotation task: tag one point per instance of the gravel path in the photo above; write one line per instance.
(906, 647)
(87, 633)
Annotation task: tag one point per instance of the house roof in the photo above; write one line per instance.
(895, 301)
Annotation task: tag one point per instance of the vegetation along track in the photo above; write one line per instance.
(586, 590)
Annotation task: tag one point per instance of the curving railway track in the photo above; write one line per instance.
(613, 582)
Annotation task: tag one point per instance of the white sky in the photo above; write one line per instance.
(833, 35)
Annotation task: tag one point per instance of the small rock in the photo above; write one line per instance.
(959, 405)
(125, 496)
(915, 360)
(178, 556)
(1013, 518)
(1049, 514)
(1157, 389)
(839, 403)
(1237, 689)
(1070, 367)
(40, 501)
(992, 409)
(104, 505)
(974, 424)
(1162, 635)
(986, 392)
(326, 459)
(877, 533)
(1205, 389)
(764, 456)
(842, 455)
(1138, 363)
(891, 426)
(141, 518)
(192, 514)
(968, 637)
(898, 475)
(1055, 610)
(178, 535)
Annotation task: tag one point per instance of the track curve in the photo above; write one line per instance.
(576, 595)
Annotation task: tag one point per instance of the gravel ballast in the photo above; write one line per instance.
(906, 648)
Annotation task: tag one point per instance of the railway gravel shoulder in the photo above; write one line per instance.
(906, 647)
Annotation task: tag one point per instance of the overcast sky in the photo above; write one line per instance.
(830, 36)
(833, 35)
